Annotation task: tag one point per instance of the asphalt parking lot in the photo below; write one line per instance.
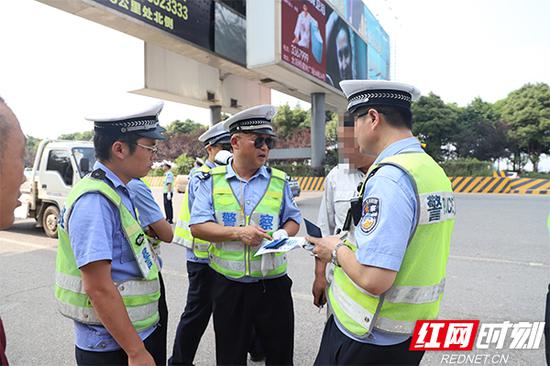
(498, 271)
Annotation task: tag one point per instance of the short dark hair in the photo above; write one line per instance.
(104, 141)
(395, 116)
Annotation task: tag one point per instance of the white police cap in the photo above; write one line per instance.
(362, 93)
(140, 118)
(255, 120)
(223, 157)
(216, 134)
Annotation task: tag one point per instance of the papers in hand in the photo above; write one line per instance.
(280, 245)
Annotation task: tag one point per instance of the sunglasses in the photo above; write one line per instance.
(260, 141)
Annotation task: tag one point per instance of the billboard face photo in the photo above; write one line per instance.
(303, 35)
(346, 52)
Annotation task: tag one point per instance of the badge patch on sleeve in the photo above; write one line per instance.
(371, 213)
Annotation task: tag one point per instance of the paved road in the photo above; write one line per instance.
(498, 270)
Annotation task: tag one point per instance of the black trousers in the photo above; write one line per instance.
(168, 208)
(196, 315)
(155, 343)
(265, 306)
(338, 349)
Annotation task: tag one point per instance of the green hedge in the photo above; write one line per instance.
(467, 168)
(535, 175)
(296, 170)
(156, 172)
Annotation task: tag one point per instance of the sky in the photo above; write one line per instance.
(54, 63)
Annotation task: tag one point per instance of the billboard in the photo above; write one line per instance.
(230, 34)
(346, 52)
(317, 41)
(189, 20)
(303, 36)
(356, 14)
(379, 49)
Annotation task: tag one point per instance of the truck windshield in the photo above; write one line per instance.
(85, 159)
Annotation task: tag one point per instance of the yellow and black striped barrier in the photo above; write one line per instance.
(154, 181)
(494, 184)
(481, 184)
(530, 186)
(311, 183)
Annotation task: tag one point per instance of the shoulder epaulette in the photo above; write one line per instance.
(203, 175)
(98, 174)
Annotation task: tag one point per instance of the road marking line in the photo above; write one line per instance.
(30, 245)
(496, 260)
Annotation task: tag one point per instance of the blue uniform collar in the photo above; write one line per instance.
(210, 164)
(409, 144)
(109, 174)
(232, 174)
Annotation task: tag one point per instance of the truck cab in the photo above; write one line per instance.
(58, 165)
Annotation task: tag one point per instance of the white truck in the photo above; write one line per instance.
(57, 166)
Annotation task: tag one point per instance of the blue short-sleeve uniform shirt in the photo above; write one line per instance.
(95, 232)
(252, 192)
(388, 221)
(191, 189)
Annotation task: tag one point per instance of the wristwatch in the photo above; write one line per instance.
(333, 258)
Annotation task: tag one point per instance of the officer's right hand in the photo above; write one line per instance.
(141, 358)
(318, 290)
(253, 235)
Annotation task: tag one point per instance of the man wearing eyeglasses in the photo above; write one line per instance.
(394, 272)
(107, 279)
(236, 207)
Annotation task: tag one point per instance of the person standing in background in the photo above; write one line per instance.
(168, 193)
(341, 186)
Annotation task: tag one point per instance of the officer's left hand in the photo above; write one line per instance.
(324, 246)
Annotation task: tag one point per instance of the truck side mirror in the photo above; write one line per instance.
(84, 165)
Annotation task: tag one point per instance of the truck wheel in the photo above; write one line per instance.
(49, 221)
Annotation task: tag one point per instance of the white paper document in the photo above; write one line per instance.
(291, 243)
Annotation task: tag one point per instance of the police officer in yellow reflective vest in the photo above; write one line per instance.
(107, 277)
(394, 274)
(198, 308)
(235, 208)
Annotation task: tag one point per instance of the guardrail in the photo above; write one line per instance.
(494, 184)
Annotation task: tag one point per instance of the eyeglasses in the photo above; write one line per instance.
(153, 148)
(260, 141)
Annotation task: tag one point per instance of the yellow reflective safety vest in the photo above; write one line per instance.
(140, 295)
(418, 288)
(182, 234)
(234, 259)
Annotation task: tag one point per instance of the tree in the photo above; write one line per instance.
(82, 136)
(181, 143)
(288, 120)
(184, 164)
(527, 111)
(187, 126)
(30, 150)
(434, 122)
(480, 132)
